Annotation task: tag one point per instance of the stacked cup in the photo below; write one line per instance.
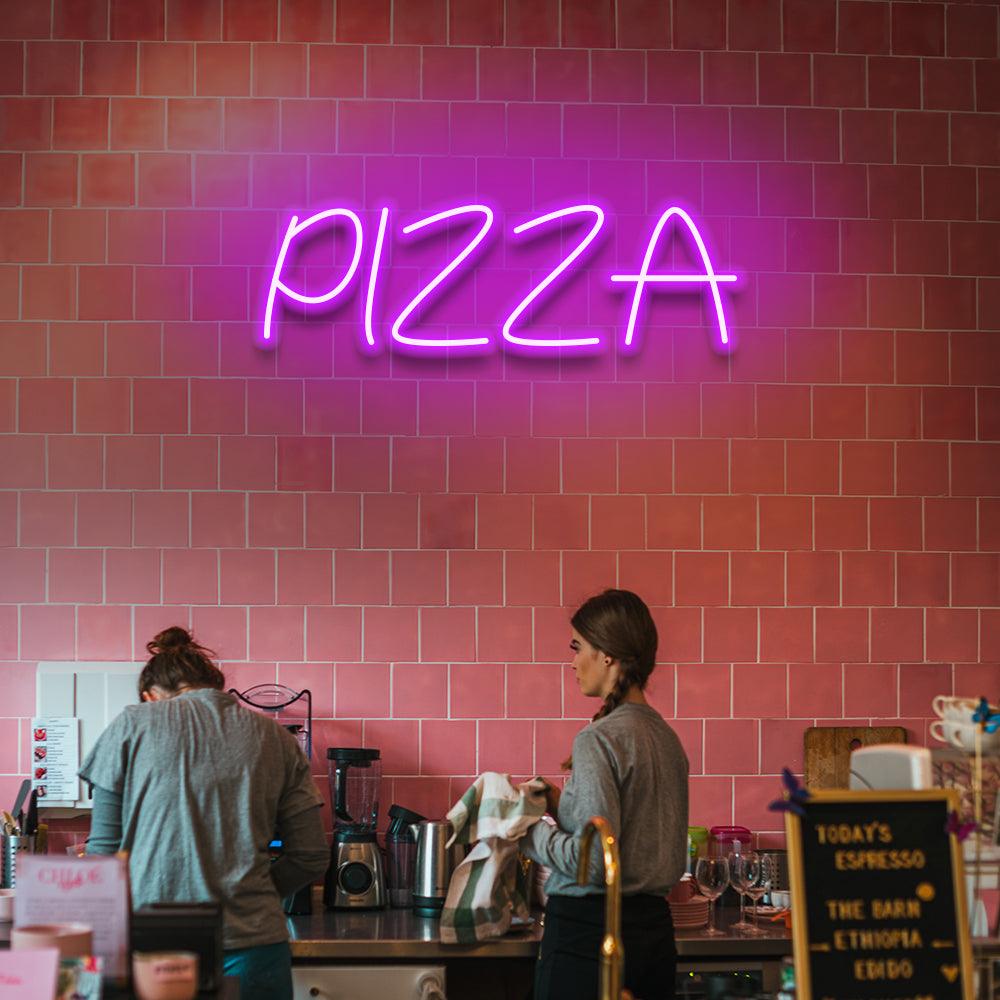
(954, 724)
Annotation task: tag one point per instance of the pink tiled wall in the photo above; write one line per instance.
(815, 519)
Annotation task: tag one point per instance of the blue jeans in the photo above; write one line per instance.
(265, 972)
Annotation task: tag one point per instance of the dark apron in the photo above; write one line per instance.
(568, 962)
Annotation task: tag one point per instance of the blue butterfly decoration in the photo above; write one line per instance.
(989, 721)
(795, 797)
(957, 827)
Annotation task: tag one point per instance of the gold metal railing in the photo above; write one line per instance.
(612, 950)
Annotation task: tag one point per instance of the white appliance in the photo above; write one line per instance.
(890, 765)
(365, 982)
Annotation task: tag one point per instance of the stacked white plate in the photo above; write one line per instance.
(691, 914)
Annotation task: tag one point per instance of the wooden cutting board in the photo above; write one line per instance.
(828, 751)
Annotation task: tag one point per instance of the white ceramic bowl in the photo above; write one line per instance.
(963, 735)
(954, 708)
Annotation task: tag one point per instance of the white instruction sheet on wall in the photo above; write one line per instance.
(55, 757)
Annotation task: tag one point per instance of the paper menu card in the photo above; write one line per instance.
(53, 890)
(55, 757)
(30, 974)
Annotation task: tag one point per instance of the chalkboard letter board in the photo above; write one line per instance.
(878, 898)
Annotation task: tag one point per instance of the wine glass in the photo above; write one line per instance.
(766, 871)
(712, 876)
(743, 869)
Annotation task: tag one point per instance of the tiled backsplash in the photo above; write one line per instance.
(815, 518)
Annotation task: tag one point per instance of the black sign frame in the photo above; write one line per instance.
(944, 801)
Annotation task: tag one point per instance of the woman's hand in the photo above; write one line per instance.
(552, 795)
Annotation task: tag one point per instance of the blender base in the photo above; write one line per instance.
(355, 879)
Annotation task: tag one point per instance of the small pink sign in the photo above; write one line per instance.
(29, 974)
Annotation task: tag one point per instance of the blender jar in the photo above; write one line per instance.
(354, 775)
(401, 855)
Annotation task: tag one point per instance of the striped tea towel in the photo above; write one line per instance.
(489, 887)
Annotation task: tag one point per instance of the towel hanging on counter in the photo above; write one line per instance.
(490, 887)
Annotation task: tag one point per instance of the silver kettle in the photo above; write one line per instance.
(435, 864)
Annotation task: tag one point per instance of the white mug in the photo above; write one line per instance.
(954, 708)
(963, 735)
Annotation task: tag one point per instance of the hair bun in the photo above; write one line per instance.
(174, 637)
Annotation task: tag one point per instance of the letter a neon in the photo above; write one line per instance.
(295, 228)
(643, 278)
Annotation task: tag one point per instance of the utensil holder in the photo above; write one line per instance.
(12, 847)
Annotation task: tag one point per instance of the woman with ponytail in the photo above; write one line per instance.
(629, 767)
(194, 787)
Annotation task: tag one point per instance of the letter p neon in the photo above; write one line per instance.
(296, 228)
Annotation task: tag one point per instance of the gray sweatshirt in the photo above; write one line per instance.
(630, 768)
(201, 785)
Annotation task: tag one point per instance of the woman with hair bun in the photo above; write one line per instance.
(628, 766)
(195, 786)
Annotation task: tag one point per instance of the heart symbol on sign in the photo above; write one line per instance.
(950, 972)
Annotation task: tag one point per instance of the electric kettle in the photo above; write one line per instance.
(435, 863)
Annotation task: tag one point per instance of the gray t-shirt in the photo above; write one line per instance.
(630, 768)
(205, 785)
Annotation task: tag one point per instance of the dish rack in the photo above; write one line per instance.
(976, 776)
(291, 709)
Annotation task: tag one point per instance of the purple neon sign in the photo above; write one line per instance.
(512, 329)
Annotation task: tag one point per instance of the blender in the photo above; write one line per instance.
(355, 878)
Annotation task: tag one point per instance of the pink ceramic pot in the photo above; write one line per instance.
(72, 940)
(165, 975)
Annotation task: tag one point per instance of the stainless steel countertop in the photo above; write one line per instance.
(401, 934)
(391, 933)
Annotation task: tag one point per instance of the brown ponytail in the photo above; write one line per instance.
(176, 661)
(619, 624)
